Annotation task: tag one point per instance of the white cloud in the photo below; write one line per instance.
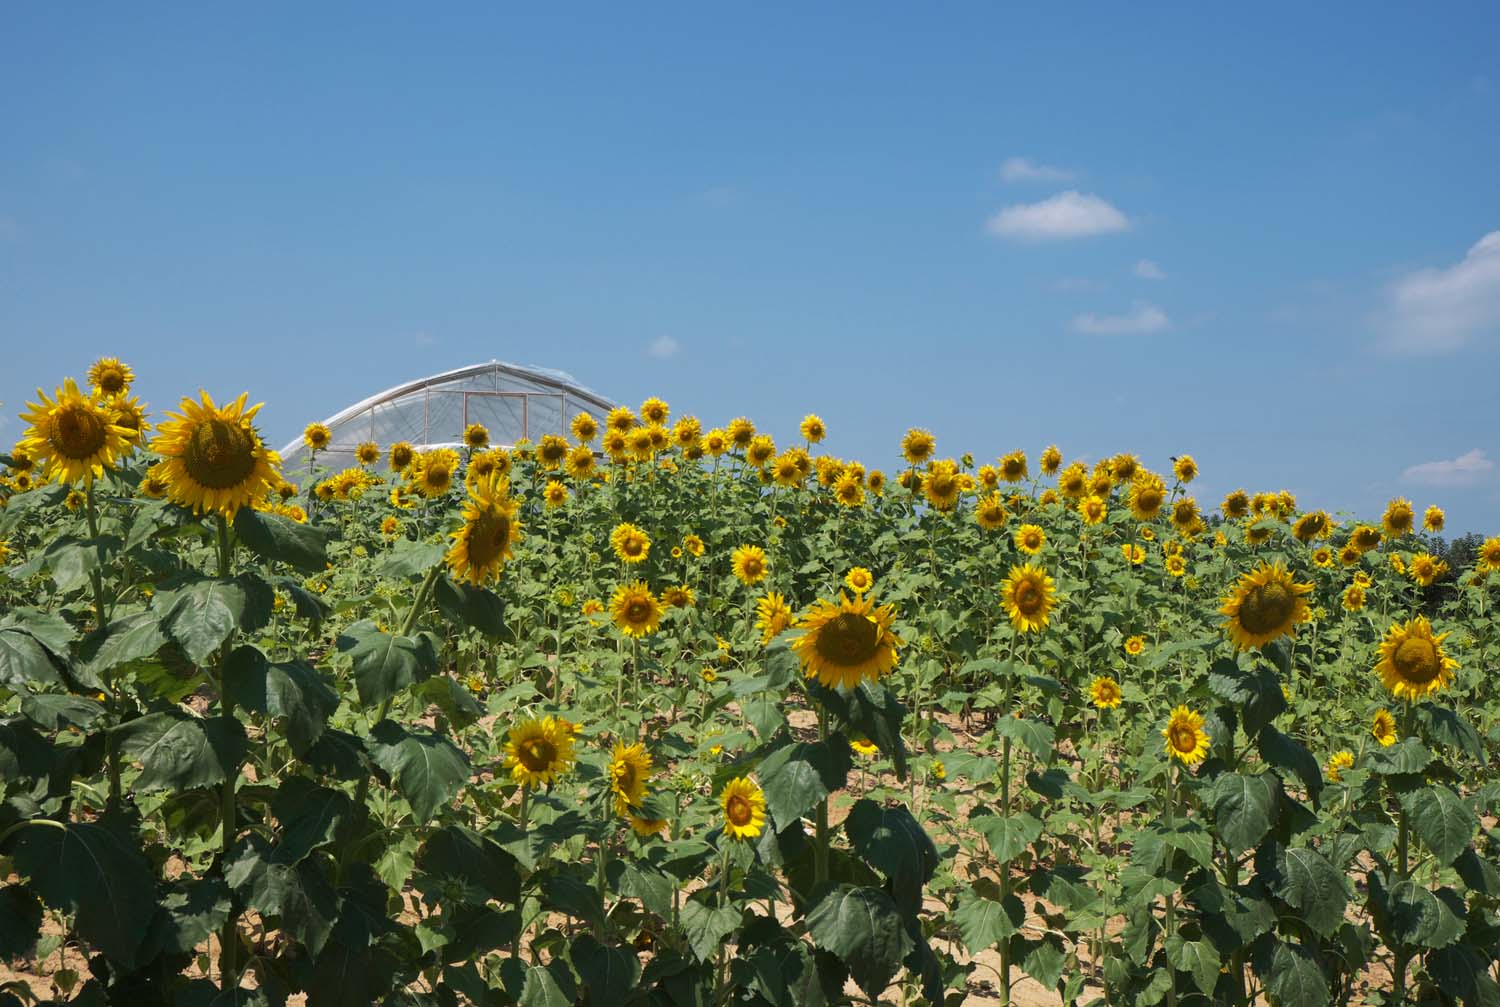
(1439, 310)
(1021, 169)
(1145, 319)
(663, 347)
(1148, 270)
(1465, 470)
(1067, 215)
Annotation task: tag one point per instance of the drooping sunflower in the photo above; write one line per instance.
(1266, 604)
(1030, 539)
(476, 436)
(629, 543)
(538, 751)
(1433, 519)
(678, 596)
(1383, 728)
(772, 616)
(1412, 662)
(859, 580)
(990, 513)
(1186, 740)
(389, 526)
(1135, 646)
(1399, 518)
(110, 377)
(1365, 538)
(863, 747)
(1028, 596)
(484, 541)
(1260, 532)
(401, 456)
(749, 564)
(917, 446)
(1339, 762)
(847, 641)
(635, 610)
(316, 436)
(1147, 496)
(1104, 693)
(213, 457)
(1185, 468)
(1349, 555)
(629, 773)
(1093, 510)
(74, 437)
(368, 453)
(744, 808)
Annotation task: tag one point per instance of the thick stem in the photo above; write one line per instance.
(820, 849)
(1005, 871)
(229, 939)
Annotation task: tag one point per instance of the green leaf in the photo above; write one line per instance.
(569, 894)
(1008, 835)
(385, 664)
(291, 691)
(20, 922)
(1449, 727)
(1460, 972)
(20, 506)
(796, 777)
(469, 605)
(429, 770)
(201, 615)
(863, 929)
(52, 710)
(95, 871)
(178, 751)
(891, 841)
(410, 559)
(1284, 752)
(24, 661)
(309, 816)
(460, 853)
(133, 638)
(1244, 808)
(608, 974)
(188, 914)
(48, 628)
(706, 926)
(1290, 975)
(1036, 737)
(1309, 883)
(549, 985)
(296, 894)
(1417, 915)
(1406, 756)
(984, 922)
(280, 539)
(1197, 958)
(872, 711)
(1441, 819)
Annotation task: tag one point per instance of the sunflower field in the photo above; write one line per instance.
(665, 715)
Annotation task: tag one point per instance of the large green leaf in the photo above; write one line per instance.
(133, 638)
(549, 985)
(1244, 808)
(609, 974)
(870, 710)
(428, 769)
(24, 661)
(1197, 958)
(96, 871)
(1291, 975)
(470, 605)
(1286, 753)
(1406, 756)
(1008, 835)
(891, 841)
(706, 926)
(280, 539)
(1305, 879)
(54, 710)
(1449, 726)
(309, 815)
(292, 691)
(296, 895)
(863, 929)
(385, 664)
(1441, 819)
(985, 919)
(1032, 735)
(191, 911)
(201, 615)
(20, 922)
(1421, 916)
(178, 751)
(797, 776)
(458, 853)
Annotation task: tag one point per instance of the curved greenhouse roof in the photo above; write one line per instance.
(512, 401)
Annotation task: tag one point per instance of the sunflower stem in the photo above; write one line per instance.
(820, 850)
(229, 935)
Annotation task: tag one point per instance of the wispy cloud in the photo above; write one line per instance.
(1022, 169)
(663, 347)
(1465, 470)
(1144, 320)
(1148, 270)
(1441, 310)
(1069, 214)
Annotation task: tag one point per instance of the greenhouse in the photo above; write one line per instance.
(514, 402)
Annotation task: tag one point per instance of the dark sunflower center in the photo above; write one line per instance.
(536, 754)
(1416, 660)
(488, 539)
(752, 567)
(637, 612)
(77, 431)
(1028, 597)
(738, 811)
(437, 476)
(1267, 607)
(1184, 738)
(112, 381)
(624, 774)
(219, 454)
(553, 452)
(849, 639)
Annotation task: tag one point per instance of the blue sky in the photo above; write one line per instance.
(1256, 236)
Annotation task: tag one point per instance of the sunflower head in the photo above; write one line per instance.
(1147, 495)
(1412, 662)
(859, 580)
(849, 490)
(990, 514)
(1266, 604)
(486, 539)
(537, 751)
(1093, 510)
(74, 437)
(629, 543)
(368, 453)
(847, 641)
(772, 616)
(655, 411)
(110, 377)
(1135, 646)
(1399, 518)
(1383, 728)
(1013, 468)
(917, 446)
(629, 773)
(749, 564)
(1433, 519)
(1028, 596)
(214, 459)
(679, 596)
(1104, 693)
(1030, 539)
(551, 451)
(476, 436)
(1185, 468)
(813, 429)
(585, 428)
(1339, 762)
(635, 610)
(1186, 740)
(744, 808)
(316, 436)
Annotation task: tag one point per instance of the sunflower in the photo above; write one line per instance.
(1134, 554)
(1030, 539)
(1398, 518)
(1354, 597)
(1426, 569)
(1185, 514)
(75, 438)
(1260, 532)
(1365, 538)
(110, 377)
(1433, 519)
(786, 471)
(551, 451)
(1101, 484)
(1413, 664)
(585, 428)
(749, 564)
(859, 580)
(213, 457)
(616, 445)
(692, 545)
(1236, 505)
(1073, 483)
(1147, 495)
(74, 500)
(629, 771)
(716, 442)
(130, 415)
(1383, 728)
(1028, 596)
(1363, 579)
(863, 747)
(1322, 557)
(990, 513)
(772, 616)
(555, 493)
(154, 483)
(917, 446)
(1013, 467)
(846, 642)
(629, 543)
(316, 436)
(476, 436)
(744, 808)
(680, 596)
(655, 411)
(367, 453)
(431, 472)
(640, 443)
(1266, 604)
(875, 481)
(1489, 554)
(483, 543)
(401, 455)
(1175, 564)
(1104, 693)
(1185, 468)
(1124, 466)
(740, 432)
(1186, 739)
(812, 428)
(1339, 762)
(1093, 510)
(538, 751)
(635, 609)
(1312, 525)
(389, 526)
(1398, 564)
(1135, 646)
(1051, 460)
(620, 418)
